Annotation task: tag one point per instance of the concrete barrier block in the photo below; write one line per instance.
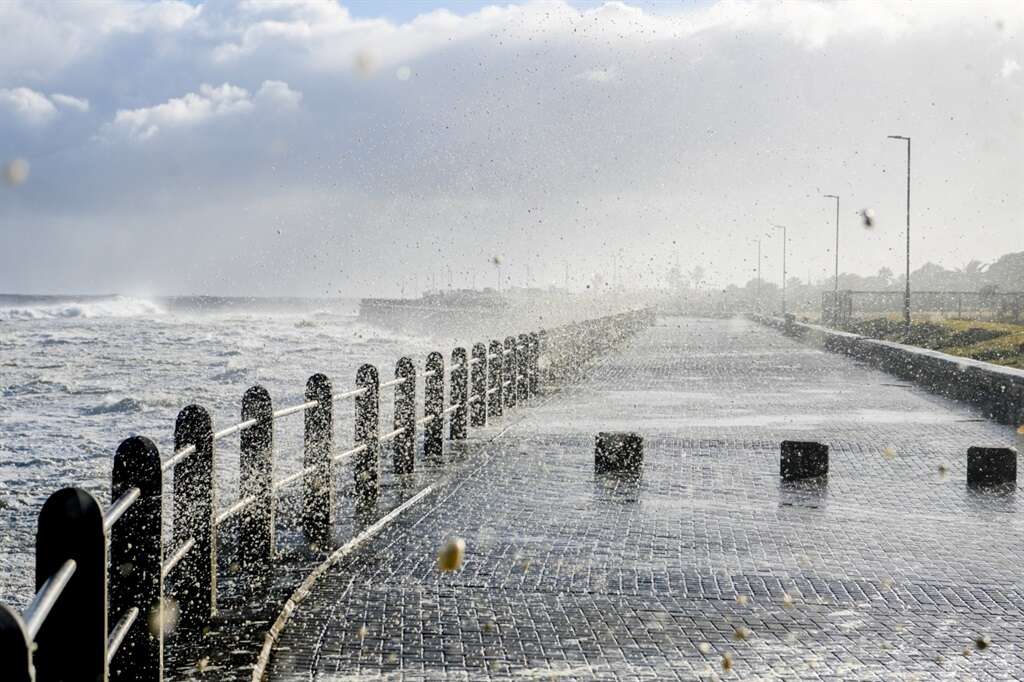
(620, 451)
(989, 467)
(803, 459)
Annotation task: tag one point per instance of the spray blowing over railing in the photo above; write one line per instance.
(99, 612)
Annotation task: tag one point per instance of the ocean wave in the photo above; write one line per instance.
(35, 387)
(365, 334)
(230, 374)
(116, 306)
(112, 406)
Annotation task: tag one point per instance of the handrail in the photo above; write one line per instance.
(292, 410)
(118, 508)
(47, 596)
(291, 478)
(395, 382)
(241, 426)
(423, 421)
(431, 372)
(234, 509)
(119, 631)
(177, 457)
(176, 557)
(391, 435)
(349, 453)
(355, 393)
(246, 501)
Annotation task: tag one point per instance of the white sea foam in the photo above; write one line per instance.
(72, 388)
(116, 306)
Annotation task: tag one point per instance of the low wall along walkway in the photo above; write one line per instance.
(997, 390)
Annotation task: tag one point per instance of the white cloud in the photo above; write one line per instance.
(1010, 67)
(688, 123)
(35, 108)
(40, 39)
(30, 106)
(211, 102)
(76, 103)
(278, 94)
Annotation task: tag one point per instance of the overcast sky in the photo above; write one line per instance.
(305, 148)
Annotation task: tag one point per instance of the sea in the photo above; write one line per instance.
(78, 374)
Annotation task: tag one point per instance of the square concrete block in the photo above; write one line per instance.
(618, 452)
(803, 459)
(991, 466)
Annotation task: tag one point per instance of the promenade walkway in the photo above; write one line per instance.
(708, 566)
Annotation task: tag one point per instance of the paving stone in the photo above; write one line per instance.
(890, 571)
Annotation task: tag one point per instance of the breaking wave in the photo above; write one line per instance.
(122, 406)
(116, 306)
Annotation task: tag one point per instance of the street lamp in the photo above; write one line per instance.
(906, 294)
(783, 228)
(757, 294)
(835, 291)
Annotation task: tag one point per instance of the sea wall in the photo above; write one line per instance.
(998, 391)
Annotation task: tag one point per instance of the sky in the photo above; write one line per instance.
(310, 148)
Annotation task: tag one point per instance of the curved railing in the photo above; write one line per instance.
(101, 605)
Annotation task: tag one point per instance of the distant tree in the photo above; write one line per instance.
(1007, 273)
(933, 277)
(675, 279)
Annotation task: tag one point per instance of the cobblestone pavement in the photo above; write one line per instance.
(708, 566)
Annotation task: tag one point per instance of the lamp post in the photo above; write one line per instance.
(835, 291)
(783, 228)
(757, 289)
(906, 294)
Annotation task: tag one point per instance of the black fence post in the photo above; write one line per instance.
(317, 487)
(433, 406)
(72, 641)
(256, 478)
(478, 386)
(15, 646)
(136, 560)
(523, 366)
(404, 447)
(195, 499)
(509, 381)
(534, 366)
(367, 432)
(459, 393)
(495, 365)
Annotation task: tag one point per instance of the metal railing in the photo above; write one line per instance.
(98, 566)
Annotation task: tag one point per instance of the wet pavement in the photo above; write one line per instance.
(708, 566)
